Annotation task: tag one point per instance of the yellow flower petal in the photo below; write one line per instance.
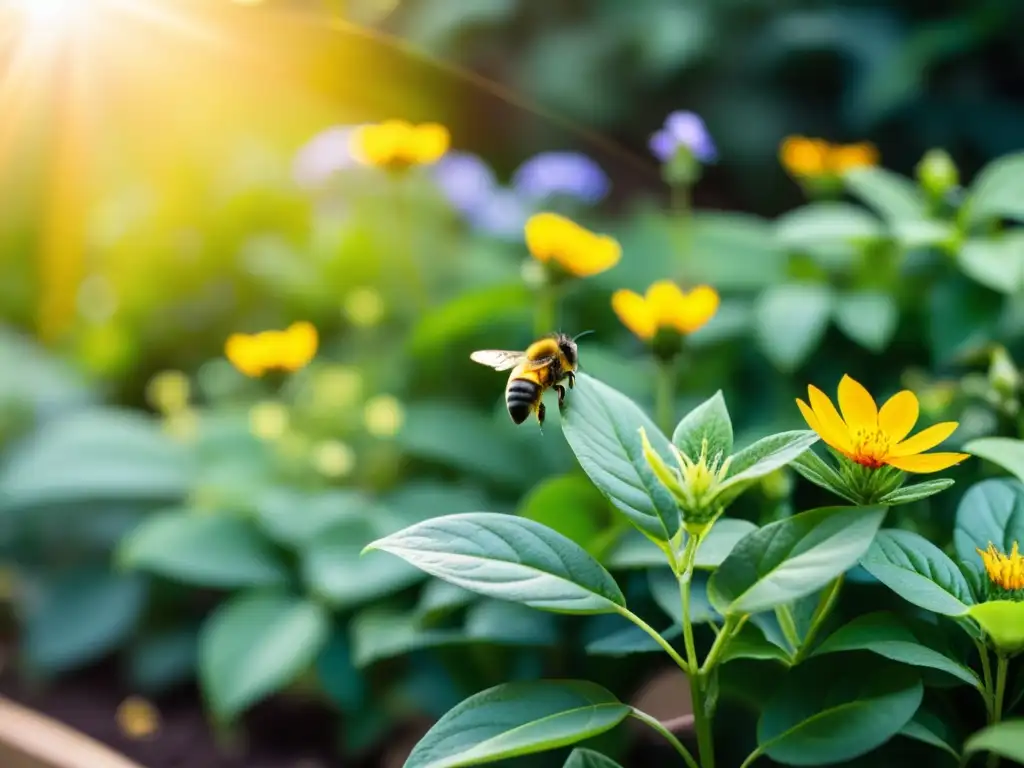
(665, 300)
(899, 415)
(926, 462)
(833, 429)
(587, 254)
(430, 141)
(299, 346)
(244, 353)
(808, 414)
(634, 313)
(849, 156)
(802, 156)
(924, 440)
(545, 234)
(699, 307)
(858, 407)
(382, 144)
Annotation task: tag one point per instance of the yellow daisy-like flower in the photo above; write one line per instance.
(665, 306)
(398, 144)
(873, 436)
(289, 350)
(810, 158)
(575, 249)
(1004, 571)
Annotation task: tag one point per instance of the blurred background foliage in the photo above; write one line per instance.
(157, 505)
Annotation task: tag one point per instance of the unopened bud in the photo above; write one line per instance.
(1002, 373)
(665, 474)
(937, 172)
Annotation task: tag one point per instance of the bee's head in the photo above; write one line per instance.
(568, 346)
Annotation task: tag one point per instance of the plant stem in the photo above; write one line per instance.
(1002, 664)
(786, 623)
(406, 252)
(665, 396)
(987, 677)
(730, 628)
(701, 720)
(656, 637)
(681, 210)
(545, 317)
(670, 737)
(825, 606)
(751, 758)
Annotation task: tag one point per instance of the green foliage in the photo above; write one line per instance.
(1005, 739)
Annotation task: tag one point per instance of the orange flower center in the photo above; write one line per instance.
(870, 447)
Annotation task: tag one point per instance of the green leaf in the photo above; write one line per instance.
(991, 511)
(253, 645)
(868, 318)
(161, 661)
(630, 640)
(813, 468)
(916, 492)
(1003, 622)
(813, 226)
(504, 623)
(996, 263)
(664, 588)
(893, 197)
(294, 518)
(822, 718)
(588, 758)
(790, 321)
(382, 633)
(764, 457)
(569, 505)
(343, 683)
(724, 536)
(508, 558)
(884, 634)
(443, 326)
(751, 643)
(210, 550)
(791, 558)
(929, 729)
(709, 421)
(1005, 452)
(79, 617)
(517, 719)
(602, 427)
(998, 191)
(1005, 739)
(335, 568)
(963, 318)
(923, 233)
(439, 598)
(918, 571)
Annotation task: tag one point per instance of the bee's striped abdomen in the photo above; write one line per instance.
(521, 397)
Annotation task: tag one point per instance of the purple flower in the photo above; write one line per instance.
(501, 213)
(683, 129)
(464, 179)
(324, 155)
(571, 174)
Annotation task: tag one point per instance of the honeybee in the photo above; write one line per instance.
(542, 366)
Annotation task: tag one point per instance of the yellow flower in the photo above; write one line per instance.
(398, 144)
(1004, 571)
(873, 436)
(577, 250)
(288, 350)
(665, 306)
(811, 158)
(137, 718)
(333, 458)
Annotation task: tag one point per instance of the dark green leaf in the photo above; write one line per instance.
(629, 640)
(790, 321)
(338, 675)
(211, 550)
(569, 505)
(820, 718)
(709, 422)
(588, 758)
(508, 558)
(295, 519)
(963, 317)
(996, 263)
(813, 468)
(927, 728)
(868, 318)
(918, 571)
(439, 598)
(916, 492)
(517, 719)
(253, 645)
(764, 457)
(80, 617)
(884, 634)
(1005, 452)
(991, 511)
(603, 429)
(998, 191)
(750, 643)
(1005, 739)
(504, 623)
(665, 590)
(379, 633)
(792, 557)
(161, 661)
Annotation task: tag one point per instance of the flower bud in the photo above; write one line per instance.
(1002, 373)
(937, 172)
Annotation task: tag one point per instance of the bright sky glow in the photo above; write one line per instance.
(55, 12)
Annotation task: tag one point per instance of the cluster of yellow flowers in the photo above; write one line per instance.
(1004, 571)
(814, 158)
(289, 350)
(398, 144)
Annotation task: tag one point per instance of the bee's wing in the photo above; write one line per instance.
(498, 359)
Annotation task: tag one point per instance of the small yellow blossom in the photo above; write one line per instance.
(333, 458)
(575, 249)
(1004, 571)
(137, 718)
(873, 436)
(287, 350)
(364, 307)
(665, 306)
(810, 158)
(383, 416)
(398, 144)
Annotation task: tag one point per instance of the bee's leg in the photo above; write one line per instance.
(561, 393)
(572, 379)
(540, 413)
